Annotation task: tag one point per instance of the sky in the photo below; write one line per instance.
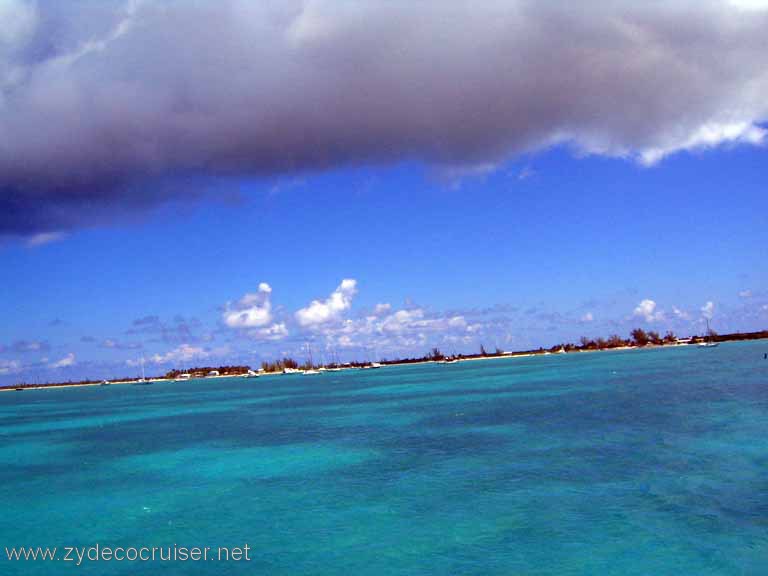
(200, 183)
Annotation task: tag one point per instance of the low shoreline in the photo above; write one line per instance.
(15, 388)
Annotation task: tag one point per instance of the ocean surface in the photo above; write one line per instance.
(634, 462)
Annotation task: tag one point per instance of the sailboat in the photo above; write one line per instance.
(311, 369)
(336, 364)
(372, 365)
(143, 380)
(708, 343)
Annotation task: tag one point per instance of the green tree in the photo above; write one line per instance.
(615, 341)
(639, 337)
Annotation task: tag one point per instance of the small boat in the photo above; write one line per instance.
(336, 365)
(143, 380)
(251, 374)
(709, 343)
(311, 370)
(104, 383)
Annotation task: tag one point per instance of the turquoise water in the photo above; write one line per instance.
(636, 462)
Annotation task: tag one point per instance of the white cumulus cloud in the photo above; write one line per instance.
(382, 308)
(708, 310)
(323, 311)
(9, 367)
(68, 360)
(681, 314)
(647, 310)
(401, 330)
(251, 311)
(183, 353)
(276, 331)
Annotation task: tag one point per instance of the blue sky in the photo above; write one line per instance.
(224, 182)
(543, 249)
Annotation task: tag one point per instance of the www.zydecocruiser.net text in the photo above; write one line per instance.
(77, 555)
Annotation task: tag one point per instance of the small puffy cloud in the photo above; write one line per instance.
(382, 308)
(145, 321)
(183, 353)
(402, 320)
(647, 310)
(708, 310)
(44, 237)
(745, 294)
(276, 331)
(680, 314)
(68, 360)
(9, 367)
(401, 330)
(114, 344)
(178, 330)
(25, 346)
(323, 311)
(251, 311)
(588, 317)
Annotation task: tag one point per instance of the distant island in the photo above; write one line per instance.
(638, 338)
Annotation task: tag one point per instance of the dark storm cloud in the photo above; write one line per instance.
(104, 104)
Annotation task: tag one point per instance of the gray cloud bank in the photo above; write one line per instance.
(102, 104)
